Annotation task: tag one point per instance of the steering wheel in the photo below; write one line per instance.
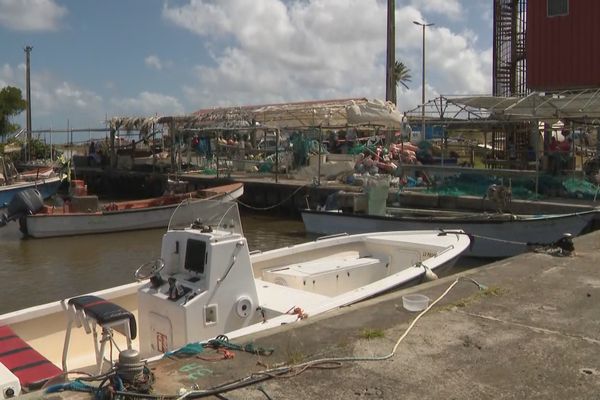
(153, 267)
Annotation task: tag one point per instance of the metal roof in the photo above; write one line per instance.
(581, 105)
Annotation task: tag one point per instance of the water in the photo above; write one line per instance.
(37, 271)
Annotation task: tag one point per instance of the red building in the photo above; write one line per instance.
(562, 44)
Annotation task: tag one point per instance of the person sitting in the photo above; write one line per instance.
(92, 155)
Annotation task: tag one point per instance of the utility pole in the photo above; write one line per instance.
(390, 86)
(28, 99)
(423, 25)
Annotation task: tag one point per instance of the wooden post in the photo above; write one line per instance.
(113, 152)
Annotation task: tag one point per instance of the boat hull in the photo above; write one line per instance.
(70, 224)
(492, 238)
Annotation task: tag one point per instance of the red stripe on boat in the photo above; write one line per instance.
(28, 365)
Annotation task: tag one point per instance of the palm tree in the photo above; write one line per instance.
(401, 74)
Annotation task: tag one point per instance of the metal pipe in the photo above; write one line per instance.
(423, 25)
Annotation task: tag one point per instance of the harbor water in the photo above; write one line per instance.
(37, 271)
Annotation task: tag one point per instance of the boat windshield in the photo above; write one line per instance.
(218, 215)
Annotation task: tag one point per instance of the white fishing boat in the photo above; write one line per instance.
(84, 215)
(207, 283)
(495, 235)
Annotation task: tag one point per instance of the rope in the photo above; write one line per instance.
(275, 205)
(473, 236)
(499, 240)
(222, 354)
(299, 312)
(324, 363)
(222, 341)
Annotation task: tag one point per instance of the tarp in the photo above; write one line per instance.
(374, 112)
(318, 113)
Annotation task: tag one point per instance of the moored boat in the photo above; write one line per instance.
(207, 283)
(496, 235)
(44, 179)
(84, 215)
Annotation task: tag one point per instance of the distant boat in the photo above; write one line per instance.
(495, 235)
(207, 284)
(84, 215)
(44, 179)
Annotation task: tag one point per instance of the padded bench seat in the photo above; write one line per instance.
(104, 312)
(32, 368)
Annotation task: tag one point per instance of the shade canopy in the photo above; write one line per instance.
(322, 113)
(580, 105)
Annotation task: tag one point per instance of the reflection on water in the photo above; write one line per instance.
(37, 271)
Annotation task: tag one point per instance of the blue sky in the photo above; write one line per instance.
(92, 59)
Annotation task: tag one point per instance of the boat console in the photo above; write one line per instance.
(202, 287)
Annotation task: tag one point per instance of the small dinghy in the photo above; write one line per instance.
(208, 283)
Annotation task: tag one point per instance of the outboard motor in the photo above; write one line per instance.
(28, 201)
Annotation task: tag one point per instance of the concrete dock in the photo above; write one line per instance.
(533, 333)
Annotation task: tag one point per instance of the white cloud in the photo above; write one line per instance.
(147, 103)
(269, 51)
(277, 53)
(31, 15)
(153, 61)
(7, 75)
(322, 49)
(458, 63)
(54, 100)
(450, 8)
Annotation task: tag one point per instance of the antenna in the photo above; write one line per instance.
(27, 50)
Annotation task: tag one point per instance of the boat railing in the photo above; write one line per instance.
(332, 236)
(447, 249)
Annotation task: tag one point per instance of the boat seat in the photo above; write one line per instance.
(88, 312)
(282, 299)
(318, 267)
(329, 277)
(32, 368)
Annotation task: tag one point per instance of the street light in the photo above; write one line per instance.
(424, 25)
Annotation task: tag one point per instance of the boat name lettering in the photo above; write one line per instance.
(429, 254)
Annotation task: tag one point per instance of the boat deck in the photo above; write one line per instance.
(283, 299)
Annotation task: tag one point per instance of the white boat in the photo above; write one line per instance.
(207, 283)
(84, 215)
(495, 235)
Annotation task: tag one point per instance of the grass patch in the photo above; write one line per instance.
(489, 292)
(372, 334)
(295, 357)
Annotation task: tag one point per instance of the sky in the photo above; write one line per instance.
(97, 59)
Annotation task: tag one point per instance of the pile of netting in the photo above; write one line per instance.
(469, 184)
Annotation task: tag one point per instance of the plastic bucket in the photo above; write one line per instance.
(415, 302)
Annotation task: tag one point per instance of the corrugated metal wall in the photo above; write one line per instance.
(563, 52)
